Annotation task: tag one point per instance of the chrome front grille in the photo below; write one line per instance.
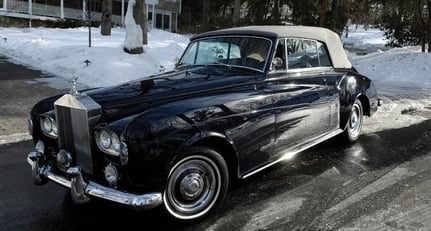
(76, 117)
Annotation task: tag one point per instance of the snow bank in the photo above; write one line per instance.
(63, 52)
(364, 40)
(398, 72)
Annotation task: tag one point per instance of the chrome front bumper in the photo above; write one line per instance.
(81, 190)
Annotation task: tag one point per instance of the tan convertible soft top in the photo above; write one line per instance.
(330, 38)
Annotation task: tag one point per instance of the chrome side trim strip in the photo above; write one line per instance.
(295, 150)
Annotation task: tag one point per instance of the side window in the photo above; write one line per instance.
(190, 55)
(324, 59)
(305, 53)
(280, 57)
(302, 53)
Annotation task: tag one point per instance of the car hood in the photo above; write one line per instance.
(137, 96)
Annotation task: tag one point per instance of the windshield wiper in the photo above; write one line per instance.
(220, 63)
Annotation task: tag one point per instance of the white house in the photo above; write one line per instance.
(161, 14)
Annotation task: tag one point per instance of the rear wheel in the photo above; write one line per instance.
(354, 124)
(196, 184)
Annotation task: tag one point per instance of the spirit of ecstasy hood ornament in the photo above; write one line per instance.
(73, 90)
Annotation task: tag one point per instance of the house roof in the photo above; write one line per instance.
(330, 38)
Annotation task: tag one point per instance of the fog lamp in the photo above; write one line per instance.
(111, 174)
(64, 160)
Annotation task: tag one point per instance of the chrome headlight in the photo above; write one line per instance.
(49, 126)
(108, 142)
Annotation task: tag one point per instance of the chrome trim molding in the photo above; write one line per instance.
(297, 149)
(81, 190)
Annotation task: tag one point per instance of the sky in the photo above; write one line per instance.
(402, 75)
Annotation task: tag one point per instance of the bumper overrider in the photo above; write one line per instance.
(82, 190)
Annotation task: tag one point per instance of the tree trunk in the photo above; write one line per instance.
(236, 12)
(429, 26)
(205, 15)
(260, 12)
(367, 17)
(334, 15)
(134, 31)
(144, 25)
(323, 11)
(347, 30)
(106, 21)
(422, 24)
(276, 12)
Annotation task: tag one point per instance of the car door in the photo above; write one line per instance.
(303, 100)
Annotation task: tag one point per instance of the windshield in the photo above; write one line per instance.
(247, 52)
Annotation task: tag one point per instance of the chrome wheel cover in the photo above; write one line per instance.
(193, 187)
(355, 121)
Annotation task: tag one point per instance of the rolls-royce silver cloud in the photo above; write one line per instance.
(238, 101)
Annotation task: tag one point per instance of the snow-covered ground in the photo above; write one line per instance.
(402, 75)
(63, 52)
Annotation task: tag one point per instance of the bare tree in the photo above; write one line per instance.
(276, 12)
(334, 15)
(236, 12)
(423, 30)
(106, 21)
(205, 15)
(139, 11)
(429, 26)
(324, 8)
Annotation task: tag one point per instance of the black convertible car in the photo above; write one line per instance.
(238, 101)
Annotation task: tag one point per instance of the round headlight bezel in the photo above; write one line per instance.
(48, 126)
(104, 139)
(108, 142)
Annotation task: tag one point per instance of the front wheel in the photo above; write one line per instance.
(196, 184)
(354, 124)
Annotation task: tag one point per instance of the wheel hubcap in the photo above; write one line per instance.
(191, 186)
(355, 120)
